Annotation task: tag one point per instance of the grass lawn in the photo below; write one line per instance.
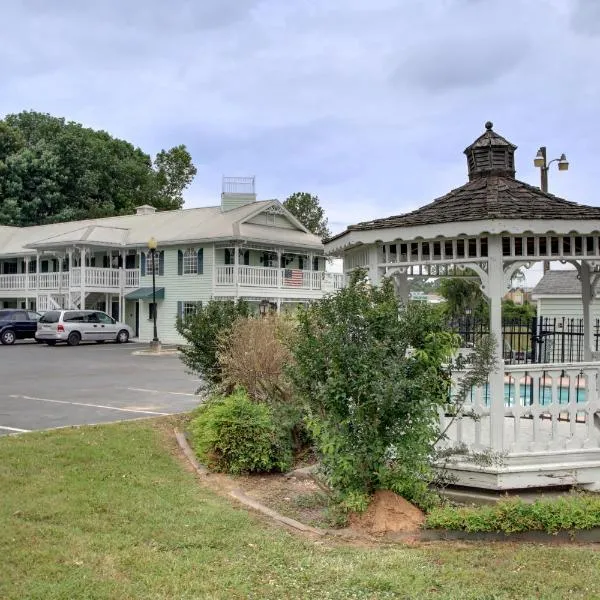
(111, 512)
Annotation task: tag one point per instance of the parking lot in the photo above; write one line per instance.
(43, 387)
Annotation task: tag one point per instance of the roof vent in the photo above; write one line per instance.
(236, 192)
(145, 209)
(490, 154)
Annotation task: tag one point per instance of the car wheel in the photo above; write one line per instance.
(122, 337)
(8, 337)
(73, 339)
(51, 342)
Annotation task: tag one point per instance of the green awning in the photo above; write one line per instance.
(145, 293)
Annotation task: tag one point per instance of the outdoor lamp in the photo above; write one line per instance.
(153, 244)
(540, 160)
(263, 307)
(563, 163)
(155, 343)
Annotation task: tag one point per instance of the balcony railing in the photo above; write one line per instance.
(95, 278)
(270, 277)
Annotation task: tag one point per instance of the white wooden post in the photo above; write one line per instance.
(374, 271)
(82, 254)
(122, 284)
(236, 266)
(586, 297)
(496, 378)
(279, 271)
(69, 296)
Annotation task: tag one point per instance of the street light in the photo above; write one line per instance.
(543, 164)
(152, 244)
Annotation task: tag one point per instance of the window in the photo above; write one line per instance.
(150, 265)
(190, 261)
(72, 317)
(103, 318)
(270, 219)
(33, 316)
(188, 308)
(19, 316)
(52, 316)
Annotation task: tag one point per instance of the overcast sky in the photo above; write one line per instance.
(366, 103)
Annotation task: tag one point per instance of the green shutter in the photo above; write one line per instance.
(142, 264)
(179, 262)
(179, 309)
(200, 261)
(161, 262)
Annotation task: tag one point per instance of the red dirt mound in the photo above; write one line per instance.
(388, 513)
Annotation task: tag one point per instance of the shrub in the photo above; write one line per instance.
(251, 355)
(373, 405)
(232, 434)
(577, 511)
(201, 331)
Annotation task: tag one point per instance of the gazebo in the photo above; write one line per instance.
(532, 425)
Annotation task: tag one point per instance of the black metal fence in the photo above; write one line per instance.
(536, 340)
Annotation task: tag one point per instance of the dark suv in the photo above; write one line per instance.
(17, 324)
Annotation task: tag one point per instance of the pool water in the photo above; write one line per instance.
(525, 395)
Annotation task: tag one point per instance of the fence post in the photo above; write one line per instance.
(533, 341)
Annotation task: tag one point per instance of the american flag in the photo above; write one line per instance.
(293, 278)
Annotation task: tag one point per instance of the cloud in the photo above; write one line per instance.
(585, 17)
(453, 63)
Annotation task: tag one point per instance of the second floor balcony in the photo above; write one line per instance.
(94, 279)
(271, 277)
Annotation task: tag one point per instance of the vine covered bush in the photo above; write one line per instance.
(372, 373)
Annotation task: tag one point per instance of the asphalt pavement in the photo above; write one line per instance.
(43, 387)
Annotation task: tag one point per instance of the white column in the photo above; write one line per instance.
(236, 266)
(401, 286)
(586, 297)
(374, 271)
(496, 289)
(69, 298)
(122, 284)
(82, 254)
(279, 271)
(108, 304)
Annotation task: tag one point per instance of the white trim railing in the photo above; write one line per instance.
(547, 408)
(94, 278)
(272, 277)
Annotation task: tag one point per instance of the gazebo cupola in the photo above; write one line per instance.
(543, 419)
(490, 154)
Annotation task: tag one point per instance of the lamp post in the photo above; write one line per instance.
(543, 164)
(263, 307)
(155, 343)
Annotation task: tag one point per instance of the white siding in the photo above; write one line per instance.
(570, 308)
(178, 288)
(264, 218)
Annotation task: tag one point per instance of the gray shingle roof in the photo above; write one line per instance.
(486, 198)
(558, 283)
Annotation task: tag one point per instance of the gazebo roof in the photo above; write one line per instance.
(491, 193)
(486, 198)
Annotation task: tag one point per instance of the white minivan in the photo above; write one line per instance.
(74, 326)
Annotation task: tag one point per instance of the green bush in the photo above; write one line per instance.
(371, 373)
(202, 331)
(232, 434)
(569, 513)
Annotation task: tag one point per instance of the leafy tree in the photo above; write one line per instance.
(373, 404)
(308, 210)
(175, 172)
(203, 331)
(521, 312)
(463, 296)
(53, 170)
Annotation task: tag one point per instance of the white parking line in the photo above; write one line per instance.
(15, 429)
(131, 410)
(131, 389)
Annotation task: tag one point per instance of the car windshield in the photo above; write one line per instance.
(51, 316)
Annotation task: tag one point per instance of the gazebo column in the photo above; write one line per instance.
(586, 297)
(495, 291)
